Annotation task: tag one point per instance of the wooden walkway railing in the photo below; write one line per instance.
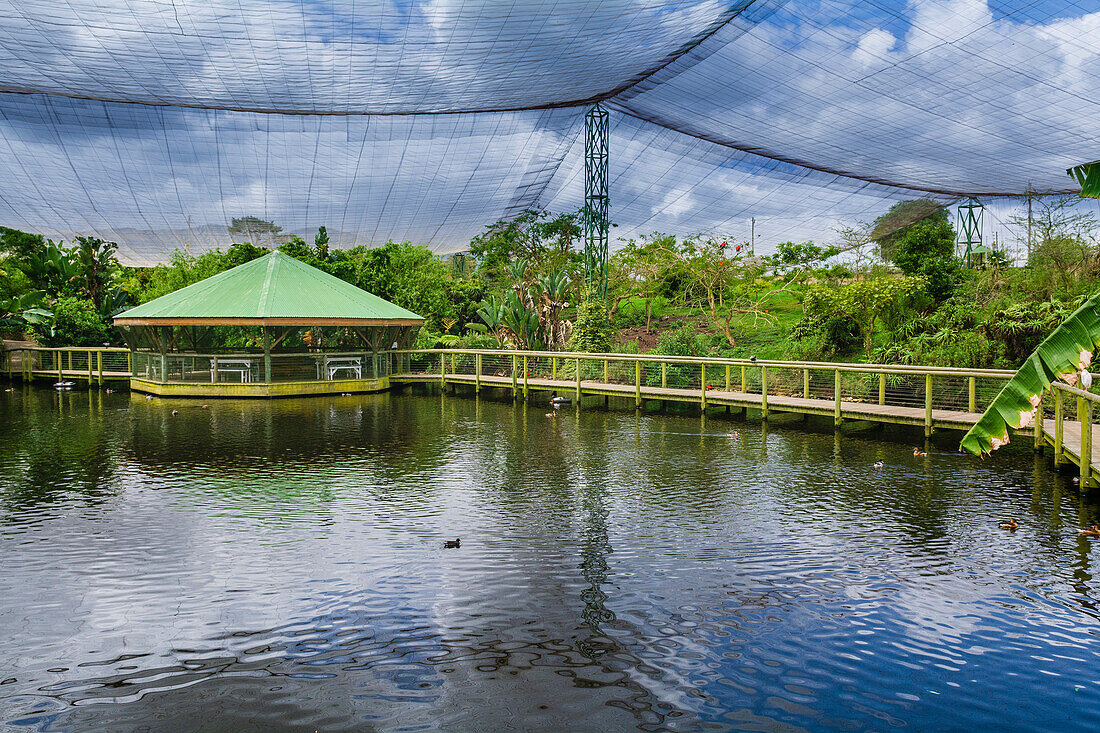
(927, 397)
(96, 365)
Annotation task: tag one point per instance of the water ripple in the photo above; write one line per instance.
(280, 564)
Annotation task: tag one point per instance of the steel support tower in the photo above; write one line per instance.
(597, 141)
(970, 228)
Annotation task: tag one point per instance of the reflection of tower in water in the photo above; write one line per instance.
(594, 568)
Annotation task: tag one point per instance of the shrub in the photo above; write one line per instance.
(76, 323)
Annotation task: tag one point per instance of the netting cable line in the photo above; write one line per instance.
(154, 124)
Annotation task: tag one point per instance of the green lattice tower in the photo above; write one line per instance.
(597, 141)
(970, 228)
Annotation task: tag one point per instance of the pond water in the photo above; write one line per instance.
(281, 566)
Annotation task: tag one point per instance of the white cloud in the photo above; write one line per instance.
(874, 46)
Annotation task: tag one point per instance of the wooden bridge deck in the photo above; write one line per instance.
(869, 411)
(753, 400)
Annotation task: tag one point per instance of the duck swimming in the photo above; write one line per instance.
(1093, 531)
(555, 400)
(452, 544)
(917, 452)
(1010, 524)
(879, 464)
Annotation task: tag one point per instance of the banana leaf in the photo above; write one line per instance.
(1063, 354)
(1088, 176)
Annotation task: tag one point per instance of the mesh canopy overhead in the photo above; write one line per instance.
(155, 123)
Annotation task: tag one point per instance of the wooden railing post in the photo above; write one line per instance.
(882, 388)
(837, 394)
(477, 374)
(130, 363)
(515, 387)
(553, 367)
(70, 353)
(1084, 408)
(90, 370)
(763, 393)
(578, 381)
(442, 370)
(703, 386)
(971, 395)
(806, 383)
(1058, 418)
(637, 383)
(928, 405)
(664, 374)
(525, 371)
(727, 377)
(744, 381)
(60, 365)
(99, 365)
(606, 379)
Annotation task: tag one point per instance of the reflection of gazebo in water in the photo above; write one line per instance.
(274, 326)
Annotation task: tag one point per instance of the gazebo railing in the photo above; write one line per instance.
(245, 368)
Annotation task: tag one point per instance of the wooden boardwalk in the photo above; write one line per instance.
(1041, 437)
(712, 397)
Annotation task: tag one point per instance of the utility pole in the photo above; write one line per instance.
(752, 238)
(1029, 223)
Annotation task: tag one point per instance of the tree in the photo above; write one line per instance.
(725, 284)
(98, 267)
(867, 303)
(1050, 218)
(76, 322)
(257, 231)
(320, 244)
(889, 229)
(928, 248)
(636, 270)
(856, 240)
(546, 241)
(21, 245)
(790, 257)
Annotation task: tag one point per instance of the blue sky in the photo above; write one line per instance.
(153, 124)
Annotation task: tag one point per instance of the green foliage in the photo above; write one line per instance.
(592, 330)
(256, 231)
(867, 303)
(547, 242)
(297, 248)
(21, 246)
(98, 266)
(927, 248)
(790, 256)
(76, 322)
(1064, 354)
(320, 244)
(819, 337)
(889, 229)
(1087, 176)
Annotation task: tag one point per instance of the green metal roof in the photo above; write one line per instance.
(275, 288)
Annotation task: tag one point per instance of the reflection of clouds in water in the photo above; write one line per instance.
(638, 569)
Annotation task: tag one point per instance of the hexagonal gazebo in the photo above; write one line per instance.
(271, 327)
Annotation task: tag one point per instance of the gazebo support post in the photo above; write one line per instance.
(267, 355)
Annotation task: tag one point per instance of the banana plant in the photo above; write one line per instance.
(491, 313)
(1087, 176)
(520, 322)
(1065, 354)
(554, 288)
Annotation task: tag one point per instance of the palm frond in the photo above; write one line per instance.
(1065, 352)
(1087, 176)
